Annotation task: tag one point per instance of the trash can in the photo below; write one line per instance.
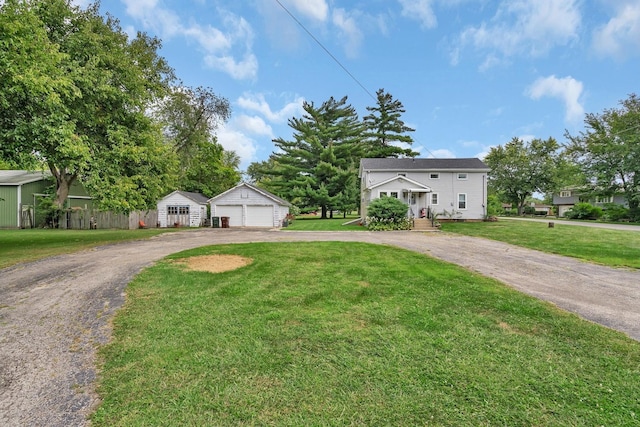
(216, 222)
(225, 221)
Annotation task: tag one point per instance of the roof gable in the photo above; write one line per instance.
(413, 183)
(198, 198)
(258, 190)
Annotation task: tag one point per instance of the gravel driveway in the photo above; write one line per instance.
(54, 312)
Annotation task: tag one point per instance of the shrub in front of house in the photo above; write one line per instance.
(387, 213)
(614, 212)
(584, 211)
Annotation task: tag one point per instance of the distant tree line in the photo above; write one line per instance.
(603, 160)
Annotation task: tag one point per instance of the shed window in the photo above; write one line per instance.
(462, 201)
(172, 210)
(183, 210)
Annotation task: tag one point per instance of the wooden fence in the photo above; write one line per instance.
(85, 219)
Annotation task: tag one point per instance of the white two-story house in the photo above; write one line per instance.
(450, 188)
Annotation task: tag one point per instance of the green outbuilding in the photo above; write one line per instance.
(20, 193)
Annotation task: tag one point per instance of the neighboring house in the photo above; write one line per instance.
(246, 205)
(22, 190)
(452, 188)
(182, 209)
(541, 209)
(567, 198)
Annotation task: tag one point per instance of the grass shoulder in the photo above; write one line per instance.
(613, 248)
(17, 246)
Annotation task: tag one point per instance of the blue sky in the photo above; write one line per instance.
(471, 74)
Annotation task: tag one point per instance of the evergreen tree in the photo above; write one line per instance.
(317, 168)
(385, 129)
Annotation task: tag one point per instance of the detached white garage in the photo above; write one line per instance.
(249, 206)
(182, 209)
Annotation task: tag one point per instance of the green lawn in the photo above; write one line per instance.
(29, 245)
(609, 247)
(315, 223)
(355, 334)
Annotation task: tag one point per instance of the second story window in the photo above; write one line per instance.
(565, 193)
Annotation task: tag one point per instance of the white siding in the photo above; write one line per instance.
(197, 212)
(249, 208)
(448, 186)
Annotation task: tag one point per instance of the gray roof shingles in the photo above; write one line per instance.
(423, 164)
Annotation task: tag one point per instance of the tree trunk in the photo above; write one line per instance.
(64, 180)
(324, 212)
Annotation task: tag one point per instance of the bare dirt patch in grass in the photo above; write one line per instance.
(214, 263)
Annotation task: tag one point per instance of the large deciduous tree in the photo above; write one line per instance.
(318, 167)
(609, 151)
(190, 118)
(82, 104)
(385, 131)
(519, 169)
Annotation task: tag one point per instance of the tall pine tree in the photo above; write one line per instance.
(317, 168)
(385, 129)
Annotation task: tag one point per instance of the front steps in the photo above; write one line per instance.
(423, 224)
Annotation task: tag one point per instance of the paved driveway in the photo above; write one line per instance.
(54, 312)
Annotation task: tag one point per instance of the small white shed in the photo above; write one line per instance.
(182, 209)
(249, 206)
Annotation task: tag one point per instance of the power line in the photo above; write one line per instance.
(326, 50)
(336, 60)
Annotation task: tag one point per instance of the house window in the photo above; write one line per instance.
(434, 176)
(394, 194)
(462, 201)
(565, 194)
(604, 199)
(434, 198)
(462, 175)
(383, 194)
(402, 174)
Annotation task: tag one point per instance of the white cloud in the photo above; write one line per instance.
(314, 9)
(567, 89)
(258, 103)
(620, 37)
(235, 140)
(227, 49)
(420, 10)
(522, 27)
(349, 31)
(254, 125)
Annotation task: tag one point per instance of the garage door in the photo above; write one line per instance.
(234, 213)
(259, 216)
